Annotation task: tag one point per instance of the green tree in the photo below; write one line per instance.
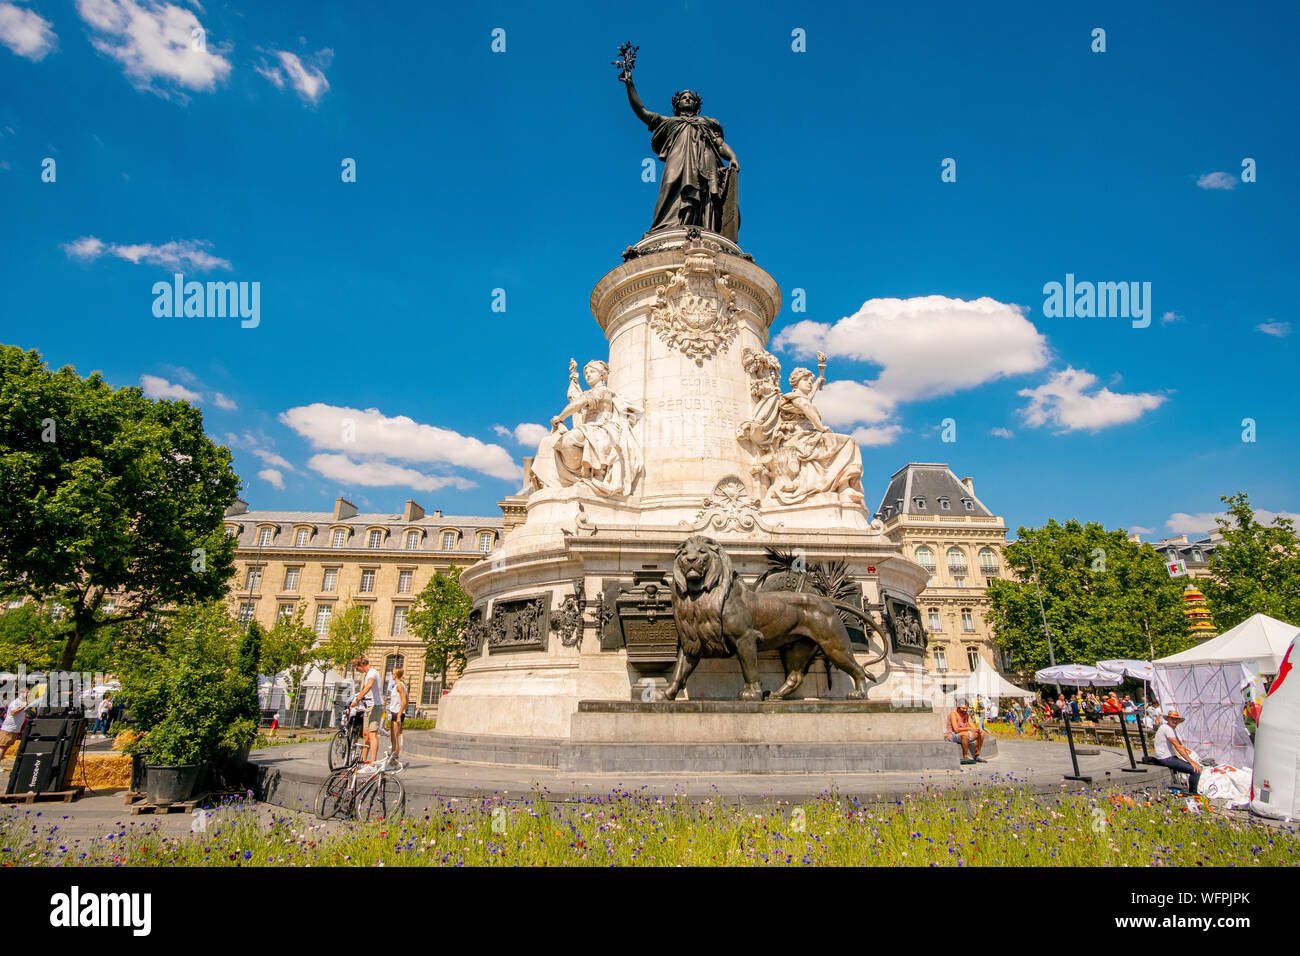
(190, 697)
(103, 491)
(350, 636)
(1104, 596)
(1256, 570)
(28, 638)
(439, 617)
(249, 659)
(288, 647)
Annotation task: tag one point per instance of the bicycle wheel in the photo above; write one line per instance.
(332, 795)
(384, 798)
(340, 750)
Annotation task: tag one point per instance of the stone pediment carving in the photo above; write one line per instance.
(730, 507)
(695, 310)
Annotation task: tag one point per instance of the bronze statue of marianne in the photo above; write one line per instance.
(698, 188)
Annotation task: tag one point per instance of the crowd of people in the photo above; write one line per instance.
(1087, 707)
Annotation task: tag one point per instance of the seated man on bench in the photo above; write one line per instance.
(962, 730)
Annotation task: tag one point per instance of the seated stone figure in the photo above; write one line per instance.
(601, 451)
(797, 455)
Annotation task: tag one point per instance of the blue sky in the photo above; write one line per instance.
(521, 170)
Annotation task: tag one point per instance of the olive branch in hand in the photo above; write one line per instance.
(626, 61)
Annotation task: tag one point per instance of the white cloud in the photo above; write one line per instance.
(873, 436)
(381, 474)
(187, 253)
(1217, 181)
(1204, 523)
(926, 347)
(256, 445)
(370, 433)
(1063, 403)
(222, 401)
(1171, 316)
(1002, 433)
(308, 80)
(527, 434)
(156, 387)
(155, 41)
(1279, 330)
(1138, 529)
(272, 477)
(25, 33)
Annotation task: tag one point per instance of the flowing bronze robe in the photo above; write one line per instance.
(692, 191)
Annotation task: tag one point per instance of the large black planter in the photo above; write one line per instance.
(171, 784)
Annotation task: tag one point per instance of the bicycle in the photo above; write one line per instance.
(365, 791)
(347, 745)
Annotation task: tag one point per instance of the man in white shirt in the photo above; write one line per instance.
(15, 717)
(370, 697)
(1171, 752)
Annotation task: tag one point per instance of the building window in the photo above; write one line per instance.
(1197, 556)
(970, 505)
(935, 624)
(392, 662)
(919, 503)
(940, 660)
(376, 538)
(944, 504)
(15, 602)
(284, 613)
(1008, 659)
(412, 541)
(331, 580)
(967, 621)
(404, 582)
(291, 579)
(254, 579)
(485, 541)
(300, 537)
(367, 582)
(972, 658)
(340, 537)
(245, 612)
(323, 614)
(108, 606)
(956, 561)
(399, 621)
(988, 563)
(925, 558)
(449, 541)
(365, 613)
(432, 691)
(264, 537)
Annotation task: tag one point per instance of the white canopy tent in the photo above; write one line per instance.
(1275, 785)
(1260, 642)
(986, 681)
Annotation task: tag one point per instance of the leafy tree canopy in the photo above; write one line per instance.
(439, 617)
(1102, 595)
(103, 490)
(1256, 570)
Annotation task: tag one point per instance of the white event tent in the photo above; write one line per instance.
(1275, 785)
(988, 682)
(1206, 685)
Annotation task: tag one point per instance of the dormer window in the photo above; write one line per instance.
(412, 541)
(339, 538)
(449, 539)
(376, 539)
(919, 502)
(263, 537)
(944, 504)
(970, 505)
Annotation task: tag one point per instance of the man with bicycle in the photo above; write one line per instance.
(369, 697)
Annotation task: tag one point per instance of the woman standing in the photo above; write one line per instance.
(396, 711)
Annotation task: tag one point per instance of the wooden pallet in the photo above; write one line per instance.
(185, 806)
(49, 796)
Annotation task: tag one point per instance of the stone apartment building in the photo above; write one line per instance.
(946, 529)
(321, 561)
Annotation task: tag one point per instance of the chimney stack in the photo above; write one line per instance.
(344, 509)
(238, 507)
(969, 482)
(412, 511)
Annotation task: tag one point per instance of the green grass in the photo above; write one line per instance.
(1000, 826)
(418, 723)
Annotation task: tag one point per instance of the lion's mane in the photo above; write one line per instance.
(699, 613)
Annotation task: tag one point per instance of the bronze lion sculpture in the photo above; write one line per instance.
(718, 616)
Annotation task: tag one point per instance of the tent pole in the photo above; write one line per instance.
(1128, 745)
(1074, 759)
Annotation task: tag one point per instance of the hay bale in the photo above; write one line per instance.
(104, 772)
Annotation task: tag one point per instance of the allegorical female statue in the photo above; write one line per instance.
(601, 450)
(697, 187)
(798, 456)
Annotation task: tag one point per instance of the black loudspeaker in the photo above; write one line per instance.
(47, 753)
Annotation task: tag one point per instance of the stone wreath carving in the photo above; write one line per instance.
(695, 309)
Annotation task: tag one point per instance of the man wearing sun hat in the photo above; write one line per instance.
(1171, 752)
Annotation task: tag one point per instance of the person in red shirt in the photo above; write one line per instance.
(1111, 704)
(962, 730)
